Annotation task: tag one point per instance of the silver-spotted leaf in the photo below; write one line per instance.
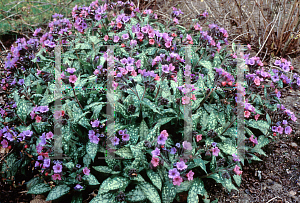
(91, 179)
(136, 195)
(150, 192)
(39, 188)
(155, 179)
(57, 192)
(91, 149)
(168, 192)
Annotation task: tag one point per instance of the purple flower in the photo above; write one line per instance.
(115, 141)
(21, 81)
(57, 168)
(155, 152)
(177, 145)
(116, 38)
(43, 109)
(278, 94)
(251, 61)
(94, 139)
(37, 164)
(173, 150)
(288, 130)
(173, 173)
(121, 132)
(274, 128)
(214, 144)
(161, 140)
(275, 78)
(125, 137)
(95, 124)
(285, 68)
(78, 165)
(71, 70)
(78, 187)
(181, 165)
(165, 68)
(125, 36)
(46, 163)
(28, 133)
(145, 29)
(284, 122)
(235, 157)
(130, 61)
(277, 63)
(125, 19)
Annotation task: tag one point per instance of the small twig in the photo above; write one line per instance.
(6, 154)
(268, 35)
(273, 199)
(77, 99)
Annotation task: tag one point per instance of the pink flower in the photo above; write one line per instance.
(57, 115)
(257, 81)
(115, 85)
(49, 135)
(193, 97)
(86, 171)
(155, 161)
(256, 116)
(237, 170)
(187, 145)
(215, 151)
(56, 177)
(72, 78)
(249, 46)
(199, 137)
(106, 38)
(175, 20)
(4, 143)
(247, 114)
(185, 100)
(164, 133)
(190, 175)
(38, 119)
(253, 140)
(177, 180)
(280, 129)
(151, 41)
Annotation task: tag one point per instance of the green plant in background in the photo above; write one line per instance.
(153, 160)
(23, 17)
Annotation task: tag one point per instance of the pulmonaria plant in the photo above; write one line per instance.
(115, 48)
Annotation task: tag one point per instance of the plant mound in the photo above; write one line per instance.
(175, 98)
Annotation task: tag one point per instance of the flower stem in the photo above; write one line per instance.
(77, 99)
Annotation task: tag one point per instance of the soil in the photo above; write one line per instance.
(274, 180)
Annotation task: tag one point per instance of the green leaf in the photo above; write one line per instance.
(151, 50)
(227, 147)
(136, 195)
(262, 141)
(184, 186)
(57, 192)
(228, 184)
(77, 198)
(143, 130)
(261, 125)
(160, 122)
(168, 192)
(94, 39)
(105, 169)
(103, 198)
(91, 179)
(197, 188)
(211, 76)
(39, 188)
(237, 179)
(137, 151)
(179, 77)
(23, 109)
(91, 149)
(155, 179)
(268, 119)
(113, 184)
(124, 152)
(150, 192)
(151, 105)
(33, 182)
(133, 132)
(201, 163)
(212, 121)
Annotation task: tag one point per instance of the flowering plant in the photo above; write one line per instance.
(154, 85)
